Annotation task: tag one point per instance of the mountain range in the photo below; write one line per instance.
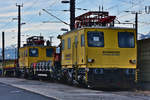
(10, 53)
(142, 36)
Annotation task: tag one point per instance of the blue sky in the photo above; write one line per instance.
(33, 16)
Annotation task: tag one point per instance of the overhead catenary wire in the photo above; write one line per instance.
(55, 17)
(8, 23)
(79, 2)
(45, 21)
(35, 2)
(137, 4)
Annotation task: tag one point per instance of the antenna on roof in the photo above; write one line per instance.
(102, 5)
(99, 8)
(102, 8)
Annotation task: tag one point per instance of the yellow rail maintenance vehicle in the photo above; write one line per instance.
(36, 59)
(99, 54)
(9, 67)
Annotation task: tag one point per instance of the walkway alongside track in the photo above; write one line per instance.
(65, 92)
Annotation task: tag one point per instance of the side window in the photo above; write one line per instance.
(82, 40)
(58, 50)
(63, 44)
(95, 39)
(126, 40)
(49, 52)
(33, 52)
(69, 43)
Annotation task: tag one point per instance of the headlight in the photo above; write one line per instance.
(90, 60)
(132, 61)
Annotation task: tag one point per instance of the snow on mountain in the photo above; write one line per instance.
(143, 36)
(10, 53)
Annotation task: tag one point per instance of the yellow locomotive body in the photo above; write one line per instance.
(9, 64)
(42, 53)
(100, 56)
(9, 67)
(35, 58)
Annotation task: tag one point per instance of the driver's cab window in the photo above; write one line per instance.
(33, 52)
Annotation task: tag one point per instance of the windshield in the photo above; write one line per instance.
(33, 52)
(95, 39)
(49, 52)
(126, 39)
